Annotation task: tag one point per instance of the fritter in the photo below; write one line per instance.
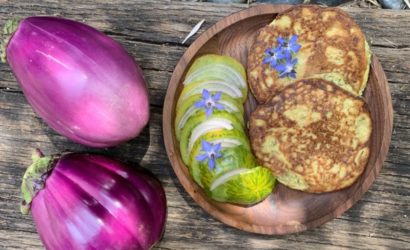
(314, 136)
(332, 47)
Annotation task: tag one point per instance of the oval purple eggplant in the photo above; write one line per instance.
(80, 81)
(83, 201)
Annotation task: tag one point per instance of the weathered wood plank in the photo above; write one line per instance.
(164, 22)
(151, 31)
(26, 130)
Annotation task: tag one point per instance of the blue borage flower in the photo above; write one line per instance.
(287, 69)
(289, 47)
(209, 102)
(281, 57)
(273, 55)
(212, 152)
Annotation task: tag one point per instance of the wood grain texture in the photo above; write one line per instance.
(151, 31)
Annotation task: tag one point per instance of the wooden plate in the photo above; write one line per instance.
(285, 210)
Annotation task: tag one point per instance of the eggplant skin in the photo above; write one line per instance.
(93, 202)
(80, 81)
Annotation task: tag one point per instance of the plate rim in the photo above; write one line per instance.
(170, 140)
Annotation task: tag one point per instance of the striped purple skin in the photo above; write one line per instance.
(80, 81)
(92, 202)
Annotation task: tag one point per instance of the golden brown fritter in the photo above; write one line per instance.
(333, 48)
(314, 136)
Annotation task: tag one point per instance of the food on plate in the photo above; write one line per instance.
(210, 127)
(201, 124)
(308, 41)
(222, 86)
(243, 185)
(189, 109)
(313, 135)
(234, 157)
(80, 81)
(84, 201)
(217, 67)
(227, 139)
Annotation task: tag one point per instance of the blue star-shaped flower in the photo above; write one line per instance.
(273, 55)
(212, 152)
(282, 42)
(289, 47)
(287, 69)
(209, 102)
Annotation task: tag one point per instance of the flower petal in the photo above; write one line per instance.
(202, 157)
(205, 94)
(200, 104)
(279, 55)
(292, 74)
(208, 111)
(217, 96)
(267, 60)
(219, 106)
(293, 39)
(287, 55)
(206, 146)
(273, 63)
(295, 47)
(281, 41)
(217, 147)
(211, 163)
(280, 67)
(278, 49)
(283, 74)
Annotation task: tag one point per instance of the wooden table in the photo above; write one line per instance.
(152, 31)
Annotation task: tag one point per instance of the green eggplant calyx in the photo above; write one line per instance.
(8, 30)
(35, 177)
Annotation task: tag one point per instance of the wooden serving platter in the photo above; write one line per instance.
(285, 210)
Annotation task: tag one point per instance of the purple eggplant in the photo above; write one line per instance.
(83, 201)
(80, 81)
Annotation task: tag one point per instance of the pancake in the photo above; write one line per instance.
(332, 47)
(314, 136)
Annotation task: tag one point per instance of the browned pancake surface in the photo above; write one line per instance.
(333, 48)
(314, 136)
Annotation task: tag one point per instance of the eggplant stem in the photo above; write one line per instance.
(35, 177)
(8, 30)
(37, 154)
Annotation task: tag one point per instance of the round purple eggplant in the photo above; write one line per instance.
(84, 201)
(80, 81)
